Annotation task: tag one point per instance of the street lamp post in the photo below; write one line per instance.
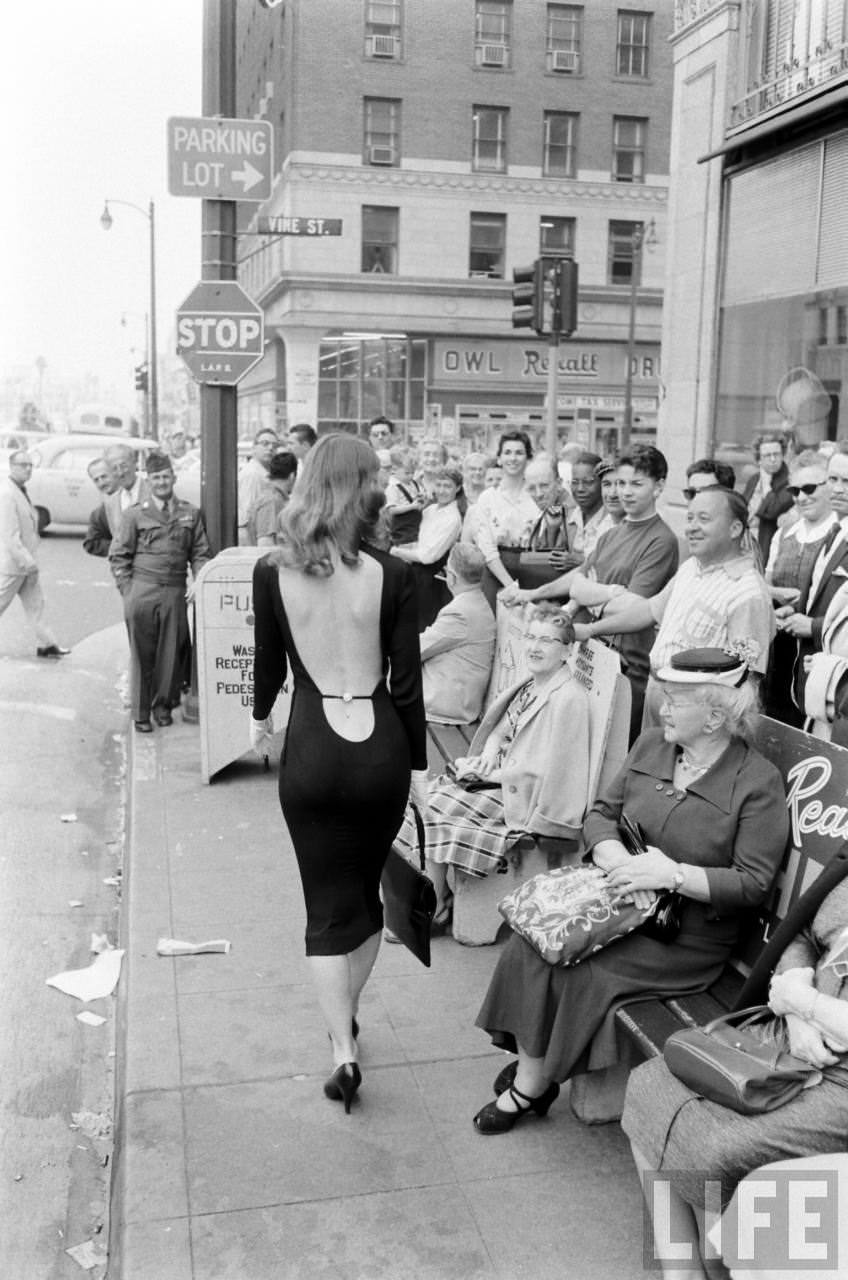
(643, 237)
(153, 385)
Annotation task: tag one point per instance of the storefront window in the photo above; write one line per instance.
(785, 280)
(361, 378)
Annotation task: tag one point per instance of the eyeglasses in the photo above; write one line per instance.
(807, 489)
(689, 494)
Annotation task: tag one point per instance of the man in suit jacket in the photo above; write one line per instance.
(98, 535)
(458, 647)
(830, 573)
(18, 546)
(130, 487)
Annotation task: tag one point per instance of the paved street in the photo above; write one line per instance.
(62, 750)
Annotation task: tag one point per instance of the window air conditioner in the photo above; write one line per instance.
(492, 55)
(564, 60)
(381, 155)
(383, 46)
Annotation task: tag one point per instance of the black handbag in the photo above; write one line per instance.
(664, 924)
(727, 1063)
(409, 898)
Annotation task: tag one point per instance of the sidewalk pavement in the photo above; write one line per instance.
(230, 1164)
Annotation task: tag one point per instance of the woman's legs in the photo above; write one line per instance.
(339, 981)
(530, 1079)
(680, 1226)
(438, 873)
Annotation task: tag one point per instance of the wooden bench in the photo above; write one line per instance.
(815, 774)
(476, 920)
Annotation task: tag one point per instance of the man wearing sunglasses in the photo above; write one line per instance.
(794, 551)
(705, 473)
(818, 621)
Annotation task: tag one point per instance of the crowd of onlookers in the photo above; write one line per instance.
(767, 571)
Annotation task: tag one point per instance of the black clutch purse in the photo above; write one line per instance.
(664, 924)
(409, 898)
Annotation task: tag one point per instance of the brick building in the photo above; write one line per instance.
(453, 142)
(756, 307)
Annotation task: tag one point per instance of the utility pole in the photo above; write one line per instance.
(544, 298)
(218, 404)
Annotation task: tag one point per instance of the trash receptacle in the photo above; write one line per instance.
(224, 640)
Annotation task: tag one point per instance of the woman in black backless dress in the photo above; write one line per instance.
(342, 616)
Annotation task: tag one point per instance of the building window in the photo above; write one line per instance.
(383, 28)
(379, 239)
(823, 321)
(489, 139)
(487, 241)
(360, 378)
(492, 24)
(623, 260)
(560, 145)
(556, 235)
(842, 326)
(631, 54)
(628, 149)
(381, 131)
(564, 37)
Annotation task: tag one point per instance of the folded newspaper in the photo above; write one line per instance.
(173, 947)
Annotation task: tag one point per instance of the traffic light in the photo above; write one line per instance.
(141, 377)
(566, 296)
(524, 297)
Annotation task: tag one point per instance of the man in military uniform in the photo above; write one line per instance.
(159, 537)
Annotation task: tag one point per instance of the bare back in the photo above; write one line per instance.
(335, 626)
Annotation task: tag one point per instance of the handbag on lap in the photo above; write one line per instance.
(726, 1062)
(568, 913)
(409, 898)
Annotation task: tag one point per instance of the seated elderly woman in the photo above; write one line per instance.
(713, 814)
(688, 1140)
(530, 756)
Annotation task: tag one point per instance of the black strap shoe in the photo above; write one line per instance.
(143, 726)
(51, 651)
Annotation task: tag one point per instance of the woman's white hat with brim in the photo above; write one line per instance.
(704, 666)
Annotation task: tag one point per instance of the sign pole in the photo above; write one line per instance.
(551, 417)
(218, 404)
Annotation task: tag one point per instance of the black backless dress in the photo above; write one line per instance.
(343, 801)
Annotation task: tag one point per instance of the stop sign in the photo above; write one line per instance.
(220, 332)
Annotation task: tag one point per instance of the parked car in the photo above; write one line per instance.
(61, 489)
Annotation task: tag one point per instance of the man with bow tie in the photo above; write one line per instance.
(19, 574)
(159, 537)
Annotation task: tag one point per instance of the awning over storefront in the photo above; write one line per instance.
(792, 117)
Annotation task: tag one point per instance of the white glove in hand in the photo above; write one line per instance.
(261, 735)
(418, 790)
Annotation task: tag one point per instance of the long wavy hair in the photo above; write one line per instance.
(334, 508)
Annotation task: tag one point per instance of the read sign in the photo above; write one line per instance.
(220, 159)
(220, 332)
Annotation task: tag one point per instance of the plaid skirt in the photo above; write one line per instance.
(464, 828)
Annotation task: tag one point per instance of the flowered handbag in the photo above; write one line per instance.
(568, 913)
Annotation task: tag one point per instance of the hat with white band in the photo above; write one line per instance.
(704, 666)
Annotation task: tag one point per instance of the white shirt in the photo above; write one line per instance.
(503, 519)
(129, 497)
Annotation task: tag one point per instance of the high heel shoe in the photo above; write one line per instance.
(343, 1084)
(491, 1119)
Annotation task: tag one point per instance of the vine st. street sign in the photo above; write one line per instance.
(220, 332)
(220, 159)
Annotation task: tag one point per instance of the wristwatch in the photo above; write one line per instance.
(677, 880)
